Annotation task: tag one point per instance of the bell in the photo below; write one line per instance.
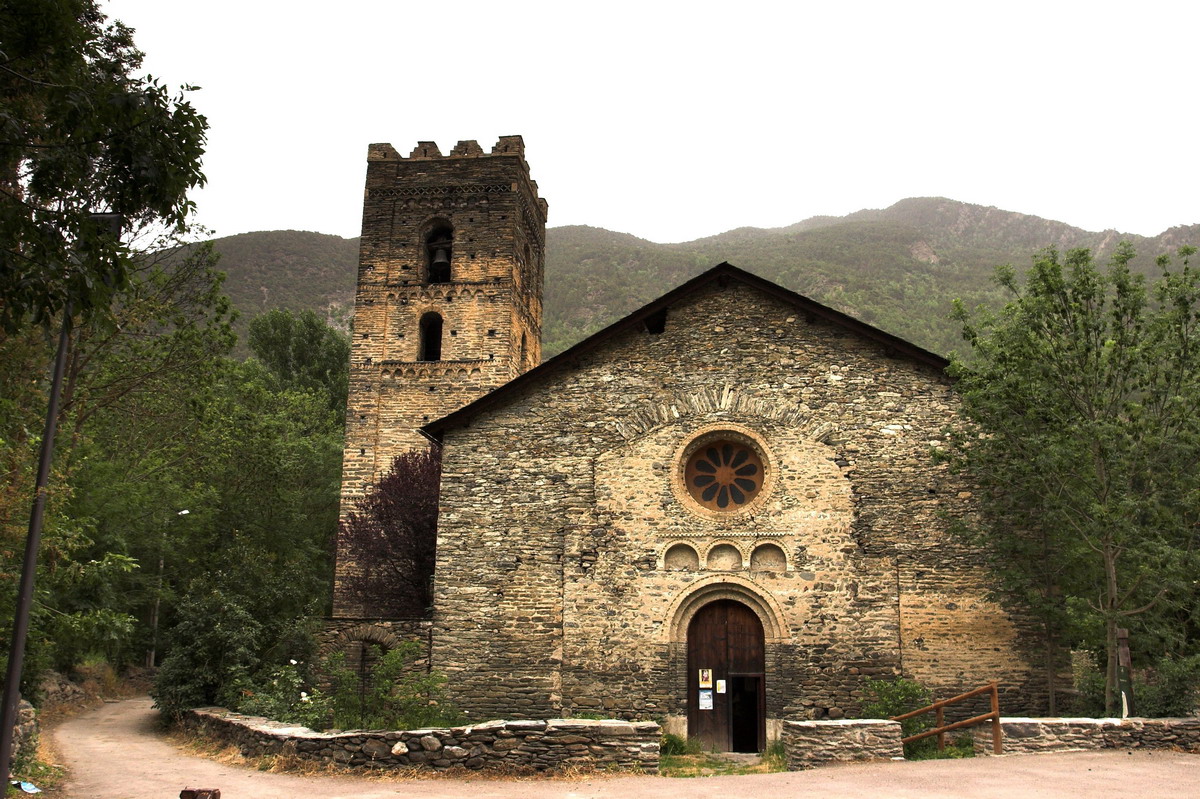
(441, 259)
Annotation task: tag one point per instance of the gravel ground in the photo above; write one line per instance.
(117, 752)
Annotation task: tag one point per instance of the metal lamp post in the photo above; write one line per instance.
(16, 649)
(162, 548)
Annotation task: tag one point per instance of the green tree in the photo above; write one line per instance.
(391, 537)
(263, 479)
(79, 134)
(303, 352)
(1082, 407)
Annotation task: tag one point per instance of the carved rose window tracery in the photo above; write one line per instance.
(724, 475)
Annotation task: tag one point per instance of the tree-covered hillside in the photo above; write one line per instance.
(898, 268)
(290, 269)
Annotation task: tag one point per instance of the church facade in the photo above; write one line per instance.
(720, 512)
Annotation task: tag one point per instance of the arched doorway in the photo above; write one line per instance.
(726, 678)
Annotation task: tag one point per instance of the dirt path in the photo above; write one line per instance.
(116, 752)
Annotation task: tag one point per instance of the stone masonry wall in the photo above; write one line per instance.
(1028, 735)
(25, 734)
(491, 309)
(350, 635)
(536, 745)
(814, 743)
(569, 562)
(809, 744)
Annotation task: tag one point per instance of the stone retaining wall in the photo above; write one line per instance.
(1025, 735)
(815, 743)
(538, 745)
(25, 734)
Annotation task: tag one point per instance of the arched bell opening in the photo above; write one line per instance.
(439, 249)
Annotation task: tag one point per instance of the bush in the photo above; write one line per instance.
(671, 744)
(392, 696)
(887, 698)
(213, 651)
(285, 698)
(1169, 689)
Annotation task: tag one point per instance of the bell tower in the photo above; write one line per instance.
(449, 299)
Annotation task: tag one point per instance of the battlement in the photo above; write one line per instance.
(428, 150)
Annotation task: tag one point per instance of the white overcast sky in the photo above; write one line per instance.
(676, 120)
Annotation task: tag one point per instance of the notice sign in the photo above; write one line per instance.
(706, 699)
(706, 678)
(720, 686)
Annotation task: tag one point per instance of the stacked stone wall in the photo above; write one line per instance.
(809, 744)
(1030, 735)
(26, 733)
(559, 506)
(343, 634)
(508, 745)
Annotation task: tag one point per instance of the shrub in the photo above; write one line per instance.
(672, 744)
(392, 696)
(287, 696)
(214, 649)
(1169, 689)
(887, 698)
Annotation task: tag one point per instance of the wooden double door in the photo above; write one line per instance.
(726, 678)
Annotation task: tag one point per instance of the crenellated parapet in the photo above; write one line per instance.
(467, 148)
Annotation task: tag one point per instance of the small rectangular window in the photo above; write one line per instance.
(656, 322)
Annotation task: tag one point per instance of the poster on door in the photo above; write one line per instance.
(706, 678)
(706, 699)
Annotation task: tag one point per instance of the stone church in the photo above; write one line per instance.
(719, 512)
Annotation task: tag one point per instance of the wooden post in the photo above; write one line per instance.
(997, 746)
(1125, 673)
(941, 721)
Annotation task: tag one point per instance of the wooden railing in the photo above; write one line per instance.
(941, 728)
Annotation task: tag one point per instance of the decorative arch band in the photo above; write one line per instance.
(710, 589)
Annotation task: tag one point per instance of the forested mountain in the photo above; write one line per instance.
(898, 268)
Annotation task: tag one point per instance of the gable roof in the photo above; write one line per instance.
(720, 273)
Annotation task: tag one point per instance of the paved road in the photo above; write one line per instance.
(115, 752)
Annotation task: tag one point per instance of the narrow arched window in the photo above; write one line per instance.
(439, 249)
(431, 338)
(524, 352)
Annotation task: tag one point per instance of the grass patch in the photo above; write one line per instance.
(775, 755)
(926, 749)
(718, 764)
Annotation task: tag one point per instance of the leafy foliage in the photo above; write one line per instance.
(1170, 690)
(391, 537)
(155, 420)
(287, 695)
(394, 694)
(79, 133)
(215, 646)
(888, 698)
(1082, 404)
(303, 353)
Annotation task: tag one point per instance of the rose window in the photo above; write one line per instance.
(724, 475)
